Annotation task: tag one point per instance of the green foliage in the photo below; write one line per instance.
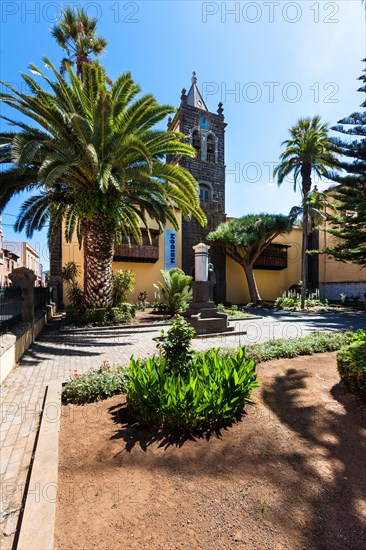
(160, 307)
(174, 345)
(318, 342)
(308, 150)
(359, 335)
(95, 385)
(174, 290)
(249, 235)
(123, 281)
(69, 274)
(349, 223)
(100, 316)
(351, 363)
(94, 161)
(233, 311)
(244, 239)
(285, 302)
(210, 395)
(75, 33)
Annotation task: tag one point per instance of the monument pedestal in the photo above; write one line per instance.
(202, 313)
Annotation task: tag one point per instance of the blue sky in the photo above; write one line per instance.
(268, 62)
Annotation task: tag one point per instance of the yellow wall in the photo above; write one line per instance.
(271, 283)
(333, 271)
(146, 274)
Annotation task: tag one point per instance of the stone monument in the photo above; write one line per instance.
(202, 313)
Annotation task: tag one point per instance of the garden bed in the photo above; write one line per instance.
(291, 474)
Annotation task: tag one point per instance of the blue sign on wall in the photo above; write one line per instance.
(170, 249)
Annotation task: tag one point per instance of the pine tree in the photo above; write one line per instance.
(349, 225)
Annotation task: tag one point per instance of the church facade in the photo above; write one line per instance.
(276, 269)
(206, 133)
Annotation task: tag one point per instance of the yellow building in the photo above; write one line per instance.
(278, 268)
(335, 277)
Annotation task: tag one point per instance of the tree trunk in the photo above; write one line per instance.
(306, 188)
(252, 285)
(98, 258)
(304, 256)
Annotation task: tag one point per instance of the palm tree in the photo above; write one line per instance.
(97, 163)
(309, 150)
(75, 33)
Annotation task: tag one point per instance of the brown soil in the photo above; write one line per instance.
(143, 317)
(291, 474)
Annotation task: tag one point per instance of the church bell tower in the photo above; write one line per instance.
(206, 133)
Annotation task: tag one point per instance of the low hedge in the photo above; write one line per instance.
(100, 316)
(95, 385)
(317, 342)
(351, 363)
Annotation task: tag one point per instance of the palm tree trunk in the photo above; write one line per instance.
(98, 258)
(252, 285)
(306, 188)
(304, 257)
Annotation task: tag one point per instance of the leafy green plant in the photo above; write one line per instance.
(210, 395)
(318, 342)
(95, 385)
(232, 311)
(174, 345)
(285, 302)
(351, 363)
(174, 290)
(160, 307)
(359, 335)
(100, 316)
(69, 274)
(123, 281)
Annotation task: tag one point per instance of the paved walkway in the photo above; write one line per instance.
(57, 353)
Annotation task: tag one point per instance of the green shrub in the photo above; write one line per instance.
(288, 303)
(95, 385)
(284, 302)
(351, 363)
(211, 394)
(174, 290)
(174, 345)
(161, 307)
(232, 311)
(100, 316)
(69, 274)
(359, 335)
(123, 281)
(318, 342)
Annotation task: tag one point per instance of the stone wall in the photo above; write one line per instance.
(212, 173)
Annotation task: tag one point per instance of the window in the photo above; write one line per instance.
(196, 140)
(205, 193)
(211, 148)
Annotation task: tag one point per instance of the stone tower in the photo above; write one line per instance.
(205, 131)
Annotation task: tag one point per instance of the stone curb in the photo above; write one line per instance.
(146, 325)
(37, 527)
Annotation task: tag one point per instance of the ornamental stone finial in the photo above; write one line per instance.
(194, 78)
(220, 110)
(183, 96)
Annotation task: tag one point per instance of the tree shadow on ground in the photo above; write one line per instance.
(133, 432)
(335, 434)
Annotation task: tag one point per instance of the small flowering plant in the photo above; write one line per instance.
(95, 385)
